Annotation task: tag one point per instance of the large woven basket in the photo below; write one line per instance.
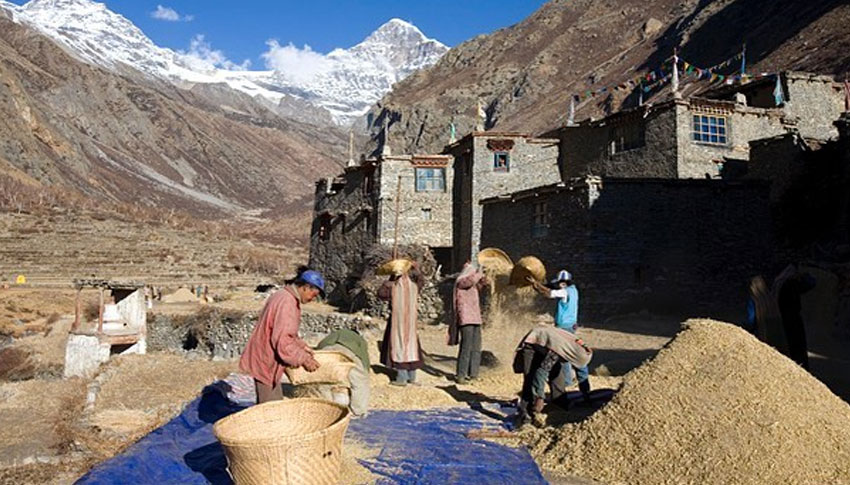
(396, 266)
(495, 260)
(527, 266)
(333, 369)
(291, 442)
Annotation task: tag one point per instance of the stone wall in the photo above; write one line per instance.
(658, 142)
(434, 303)
(678, 246)
(744, 124)
(812, 102)
(532, 162)
(223, 333)
(424, 216)
(343, 229)
(590, 148)
(778, 160)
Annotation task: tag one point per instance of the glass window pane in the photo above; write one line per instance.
(721, 121)
(713, 138)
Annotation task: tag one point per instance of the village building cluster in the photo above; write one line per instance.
(655, 206)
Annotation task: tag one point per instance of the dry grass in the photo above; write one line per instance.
(36, 415)
(157, 382)
(715, 406)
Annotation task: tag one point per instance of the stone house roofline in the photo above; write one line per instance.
(365, 164)
(648, 110)
(592, 181)
(422, 160)
(467, 139)
(808, 144)
(730, 89)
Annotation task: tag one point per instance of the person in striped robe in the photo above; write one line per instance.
(400, 348)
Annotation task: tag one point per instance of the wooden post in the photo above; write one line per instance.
(78, 307)
(397, 209)
(100, 313)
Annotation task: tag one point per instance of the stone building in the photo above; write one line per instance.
(642, 244)
(487, 164)
(809, 182)
(360, 207)
(416, 190)
(697, 137)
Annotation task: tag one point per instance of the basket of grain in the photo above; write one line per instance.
(495, 260)
(294, 441)
(395, 267)
(333, 369)
(527, 266)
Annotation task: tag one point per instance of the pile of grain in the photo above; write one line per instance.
(715, 406)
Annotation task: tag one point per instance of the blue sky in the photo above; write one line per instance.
(240, 29)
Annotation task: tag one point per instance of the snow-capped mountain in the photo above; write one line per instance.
(345, 82)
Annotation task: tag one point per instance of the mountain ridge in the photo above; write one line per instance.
(348, 83)
(107, 136)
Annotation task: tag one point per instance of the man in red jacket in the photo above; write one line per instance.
(274, 343)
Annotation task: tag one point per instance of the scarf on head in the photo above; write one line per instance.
(454, 328)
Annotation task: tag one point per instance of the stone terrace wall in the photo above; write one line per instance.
(223, 334)
(668, 246)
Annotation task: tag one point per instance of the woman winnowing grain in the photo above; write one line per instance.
(400, 348)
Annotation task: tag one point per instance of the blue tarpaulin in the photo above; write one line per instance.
(413, 447)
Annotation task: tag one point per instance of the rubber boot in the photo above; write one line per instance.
(584, 387)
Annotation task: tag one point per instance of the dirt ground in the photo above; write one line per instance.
(49, 435)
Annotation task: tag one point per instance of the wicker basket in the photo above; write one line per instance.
(395, 267)
(527, 266)
(292, 442)
(333, 369)
(495, 260)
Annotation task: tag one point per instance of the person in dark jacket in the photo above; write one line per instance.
(790, 287)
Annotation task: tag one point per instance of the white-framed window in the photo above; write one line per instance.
(430, 179)
(540, 225)
(711, 129)
(426, 213)
(501, 162)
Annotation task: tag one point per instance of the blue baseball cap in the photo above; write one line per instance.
(563, 275)
(312, 277)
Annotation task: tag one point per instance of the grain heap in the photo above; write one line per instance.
(715, 406)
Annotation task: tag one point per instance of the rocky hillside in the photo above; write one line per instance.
(525, 74)
(112, 137)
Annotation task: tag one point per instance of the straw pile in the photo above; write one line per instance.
(716, 406)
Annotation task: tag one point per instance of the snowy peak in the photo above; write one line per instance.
(396, 30)
(402, 45)
(345, 82)
(96, 34)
